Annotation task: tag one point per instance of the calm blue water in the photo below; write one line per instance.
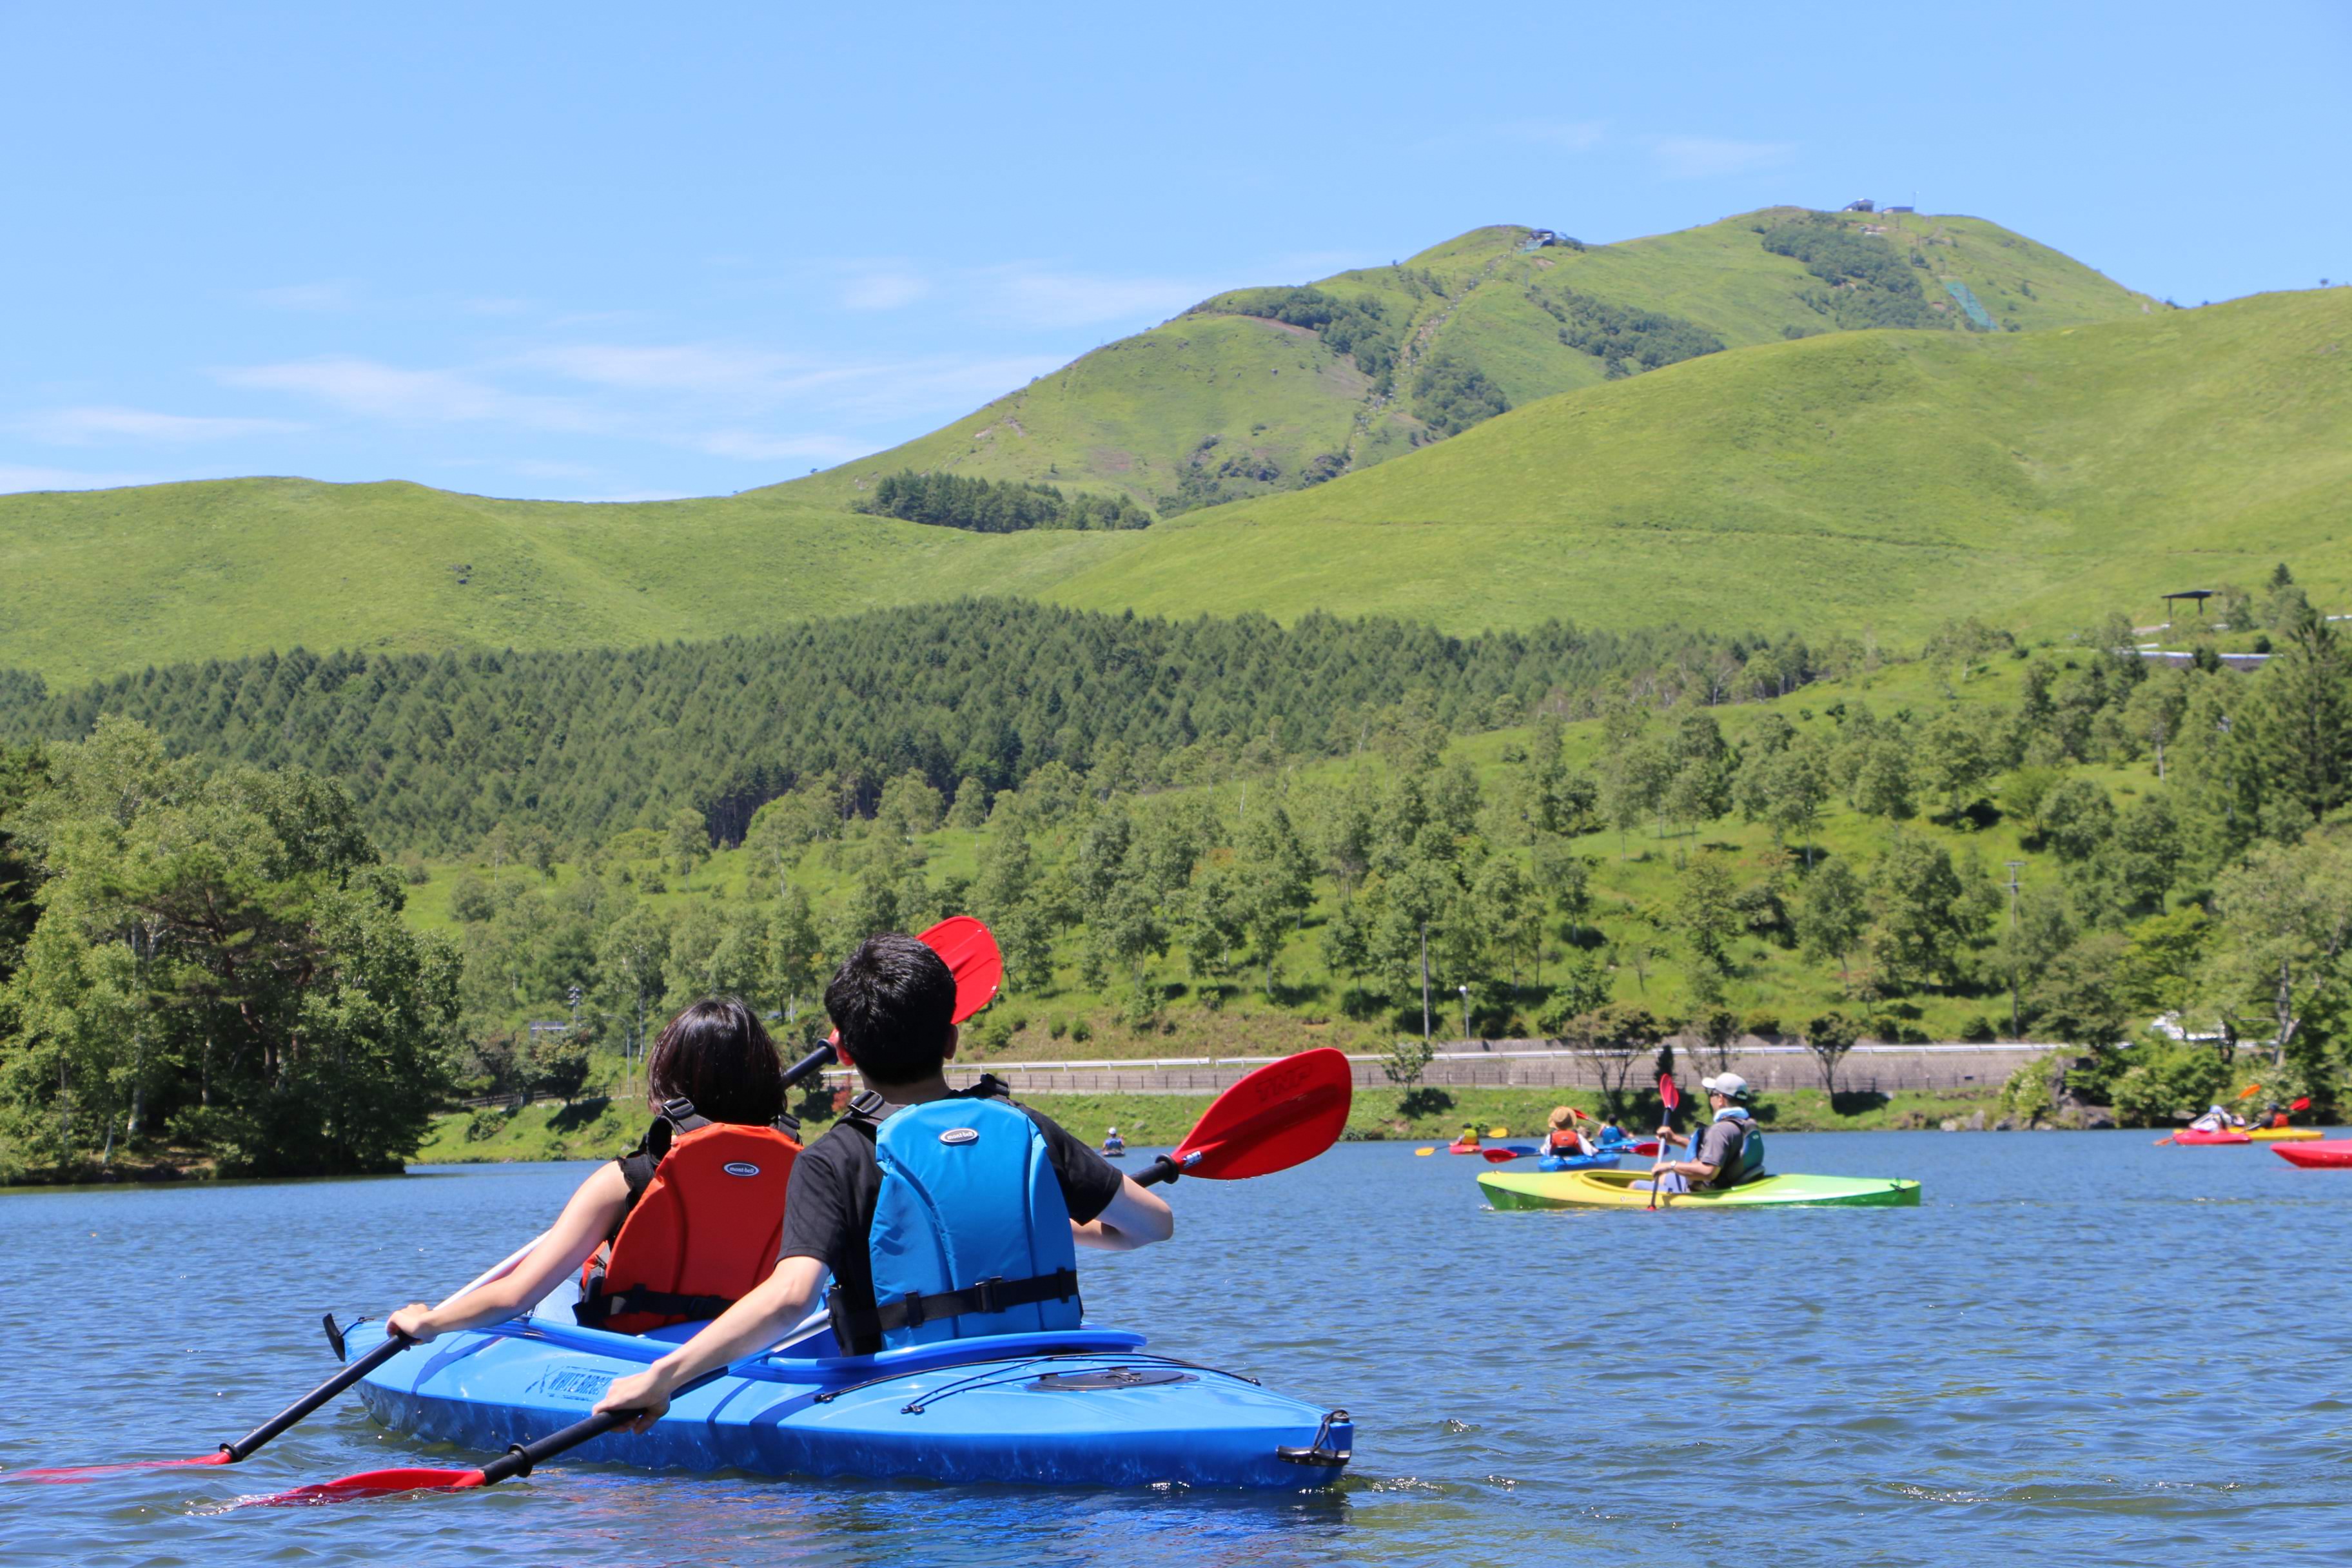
(2082, 1348)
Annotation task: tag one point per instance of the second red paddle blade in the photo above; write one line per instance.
(368, 1484)
(1667, 1091)
(970, 949)
(1279, 1115)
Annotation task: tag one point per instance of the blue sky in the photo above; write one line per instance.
(599, 251)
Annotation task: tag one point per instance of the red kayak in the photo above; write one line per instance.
(2324, 1155)
(2197, 1135)
(1459, 1147)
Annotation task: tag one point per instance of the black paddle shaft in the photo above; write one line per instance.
(393, 1346)
(519, 1459)
(825, 1055)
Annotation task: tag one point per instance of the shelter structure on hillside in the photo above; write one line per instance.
(1864, 205)
(2195, 595)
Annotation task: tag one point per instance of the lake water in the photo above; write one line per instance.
(2080, 1349)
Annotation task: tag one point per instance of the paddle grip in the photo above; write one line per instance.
(393, 1346)
(1163, 1168)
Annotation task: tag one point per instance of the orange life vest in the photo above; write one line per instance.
(705, 1221)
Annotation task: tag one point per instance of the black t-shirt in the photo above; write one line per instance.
(837, 1182)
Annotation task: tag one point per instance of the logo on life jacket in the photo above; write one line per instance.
(740, 1168)
(960, 1135)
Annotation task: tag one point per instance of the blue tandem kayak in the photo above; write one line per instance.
(1083, 1406)
(1601, 1162)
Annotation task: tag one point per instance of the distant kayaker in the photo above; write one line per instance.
(915, 1174)
(1565, 1137)
(2216, 1120)
(1729, 1150)
(1113, 1145)
(712, 1068)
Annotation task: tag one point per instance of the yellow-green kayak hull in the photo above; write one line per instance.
(2283, 1134)
(1614, 1190)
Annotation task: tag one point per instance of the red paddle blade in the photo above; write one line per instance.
(1278, 1116)
(970, 949)
(368, 1484)
(67, 1475)
(2302, 1102)
(1647, 1150)
(1496, 1156)
(1667, 1091)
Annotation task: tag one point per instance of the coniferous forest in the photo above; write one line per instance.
(1603, 841)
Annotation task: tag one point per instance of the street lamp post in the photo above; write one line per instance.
(1465, 1010)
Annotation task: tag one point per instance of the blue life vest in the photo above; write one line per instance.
(971, 1234)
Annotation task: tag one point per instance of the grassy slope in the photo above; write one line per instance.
(1870, 480)
(1127, 416)
(1858, 479)
(92, 583)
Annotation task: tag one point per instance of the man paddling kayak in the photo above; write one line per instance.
(1727, 1151)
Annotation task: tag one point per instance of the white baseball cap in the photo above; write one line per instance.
(1729, 1085)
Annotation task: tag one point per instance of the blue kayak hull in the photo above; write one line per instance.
(1577, 1162)
(1082, 1408)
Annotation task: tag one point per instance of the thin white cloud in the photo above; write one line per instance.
(1567, 135)
(889, 289)
(333, 294)
(16, 477)
(678, 367)
(1708, 157)
(84, 426)
(379, 391)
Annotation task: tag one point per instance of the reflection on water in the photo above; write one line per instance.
(2079, 1347)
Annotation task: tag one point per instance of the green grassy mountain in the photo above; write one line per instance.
(1266, 390)
(1885, 479)
(1850, 481)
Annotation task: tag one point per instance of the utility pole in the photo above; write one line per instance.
(1465, 1010)
(1425, 1030)
(2015, 1029)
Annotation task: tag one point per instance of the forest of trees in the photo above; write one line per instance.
(1627, 341)
(199, 945)
(437, 749)
(1870, 284)
(211, 958)
(1451, 395)
(995, 506)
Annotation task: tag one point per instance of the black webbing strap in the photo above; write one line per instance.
(996, 1294)
(594, 1312)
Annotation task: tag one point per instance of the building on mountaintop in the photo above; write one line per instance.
(1864, 205)
(1891, 211)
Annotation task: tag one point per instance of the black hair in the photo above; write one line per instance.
(894, 1002)
(718, 1054)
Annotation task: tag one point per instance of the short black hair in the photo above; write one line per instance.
(718, 1054)
(894, 1001)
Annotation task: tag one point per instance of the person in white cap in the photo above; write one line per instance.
(1728, 1150)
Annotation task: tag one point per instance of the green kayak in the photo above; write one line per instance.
(1614, 1190)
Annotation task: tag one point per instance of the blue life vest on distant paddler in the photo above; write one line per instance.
(971, 1234)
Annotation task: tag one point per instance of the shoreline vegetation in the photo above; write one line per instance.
(1188, 843)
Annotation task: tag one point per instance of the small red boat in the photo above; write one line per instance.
(2324, 1155)
(2199, 1135)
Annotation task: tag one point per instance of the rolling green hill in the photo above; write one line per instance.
(1225, 402)
(1878, 479)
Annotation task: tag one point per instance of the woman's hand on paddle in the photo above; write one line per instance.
(647, 1394)
(416, 1320)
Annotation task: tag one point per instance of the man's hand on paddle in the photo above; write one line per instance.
(647, 1394)
(416, 1320)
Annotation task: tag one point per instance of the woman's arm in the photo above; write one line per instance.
(753, 1323)
(1135, 1216)
(574, 1236)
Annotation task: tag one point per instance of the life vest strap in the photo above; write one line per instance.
(995, 1294)
(593, 1312)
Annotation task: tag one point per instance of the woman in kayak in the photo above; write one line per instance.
(714, 1064)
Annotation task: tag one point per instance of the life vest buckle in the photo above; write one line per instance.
(914, 1304)
(985, 1294)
